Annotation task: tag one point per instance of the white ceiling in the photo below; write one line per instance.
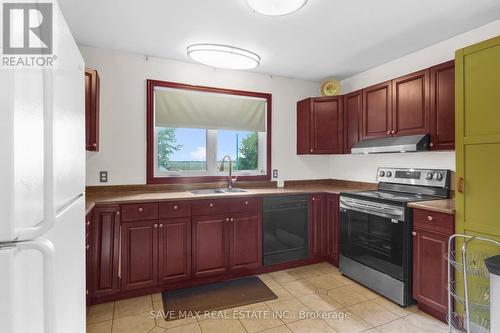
(325, 38)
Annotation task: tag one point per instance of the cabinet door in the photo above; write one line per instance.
(410, 104)
(91, 109)
(377, 111)
(209, 245)
(303, 126)
(245, 241)
(353, 106)
(317, 239)
(88, 256)
(326, 126)
(139, 254)
(332, 228)
(105, 250)
(174, 247)
(443, 106)
(430, 273)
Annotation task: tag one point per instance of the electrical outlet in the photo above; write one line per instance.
(275, 173)
(103, 176)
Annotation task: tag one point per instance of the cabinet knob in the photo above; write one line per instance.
(87, 291)
(231, 219)
(88, 222)
(413, 233)
(313, 198)
(393, 132)
(155, 225)
(311, 150)
(429, 218)
(211, 204)
(161, 225)
(87, 247)
(246, 202)
(117, 213)
(140, 209)
(431, 144)
(94, 145)
(388, 132)
(176, 207)
(227, 219)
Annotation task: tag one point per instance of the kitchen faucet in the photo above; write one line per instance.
(230, 179)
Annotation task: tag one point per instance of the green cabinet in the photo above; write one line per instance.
(477, 85)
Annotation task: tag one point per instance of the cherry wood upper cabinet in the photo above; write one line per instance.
(443, 106)
(105, 250)
(353, 107)
(245, 241)
(317, 234)
(209, 245)
(319, 125)
(332, 228)
(377, 111)
(91, 109)
(410, 95)
(139, 262)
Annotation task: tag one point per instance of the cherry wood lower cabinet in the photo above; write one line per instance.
(210, 252)
(245, 241)
(88, 256)
(332, 228)
(139, 254)
(174, 249)
(105, 250)
(430, 274)
(317, 225)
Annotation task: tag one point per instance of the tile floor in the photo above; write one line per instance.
(318, 288)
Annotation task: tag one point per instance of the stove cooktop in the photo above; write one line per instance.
(390, 196)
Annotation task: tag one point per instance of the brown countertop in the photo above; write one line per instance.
(446, 206)
(123, 196)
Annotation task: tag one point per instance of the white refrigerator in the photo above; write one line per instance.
(42, 204)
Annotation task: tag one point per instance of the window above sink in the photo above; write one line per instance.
(191, 128)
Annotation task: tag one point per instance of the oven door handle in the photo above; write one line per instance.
(379, 211)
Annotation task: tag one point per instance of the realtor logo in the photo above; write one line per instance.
(27, 28)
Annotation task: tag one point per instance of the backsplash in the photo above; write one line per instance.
(363, 168)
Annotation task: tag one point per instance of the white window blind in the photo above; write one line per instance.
(190, 109)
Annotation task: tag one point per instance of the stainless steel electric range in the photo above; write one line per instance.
(376, 226)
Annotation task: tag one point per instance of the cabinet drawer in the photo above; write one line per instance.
(210, 207)
(139, 212)
(174, 209)
(245, 204)
(439, 222)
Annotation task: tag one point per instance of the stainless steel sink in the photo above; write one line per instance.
(217, 191)
(208, 191)
(235, 190)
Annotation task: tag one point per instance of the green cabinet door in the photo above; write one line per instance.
(477, 69)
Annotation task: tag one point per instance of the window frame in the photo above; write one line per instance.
(151, 176)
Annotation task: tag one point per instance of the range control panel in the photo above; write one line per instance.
(424, 177)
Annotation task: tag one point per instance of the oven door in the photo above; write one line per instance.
(374, 235)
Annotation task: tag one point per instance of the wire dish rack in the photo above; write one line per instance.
(468, 285)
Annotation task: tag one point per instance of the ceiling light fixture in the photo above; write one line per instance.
(276, 7)
(223, 56)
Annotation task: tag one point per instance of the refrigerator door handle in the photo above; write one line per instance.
(46, 248)
(49, 209)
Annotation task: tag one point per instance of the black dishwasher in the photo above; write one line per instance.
(285, 225)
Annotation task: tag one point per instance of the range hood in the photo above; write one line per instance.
(400, 144)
